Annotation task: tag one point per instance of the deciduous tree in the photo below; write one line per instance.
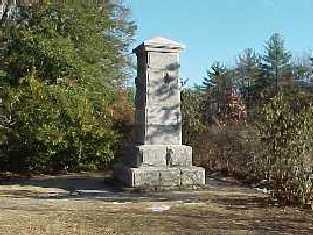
(62, 64)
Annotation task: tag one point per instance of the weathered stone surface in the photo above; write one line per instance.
(192, 175)
(163, 135)
(163, 115)
(162, 176)
(163, 43)
(158, 117)
(181, 155)
(159, 157)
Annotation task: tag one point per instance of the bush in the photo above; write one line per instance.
(276, 148)
(286, 130)
(58, 127)
(192, 103)
(231, 150)
(223, 145)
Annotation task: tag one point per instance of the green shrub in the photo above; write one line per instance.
(192, 103)
(286, 130)
(58, 126)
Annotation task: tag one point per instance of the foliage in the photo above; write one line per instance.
(192, 104)
(50, 132)
(216, 147)
(218, 81)
(248, 67)
(65, 43)
(230, 149)
(277, 59)
(274, 143)
(255, 77)
(62, 65)
(223, 103)
(286, 133)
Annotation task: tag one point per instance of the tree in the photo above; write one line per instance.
(303, 70)
(77, 41)
(62, 64)
(248, 67)
(215, 75)
(215, 84)
(276, 59)
(223, 98)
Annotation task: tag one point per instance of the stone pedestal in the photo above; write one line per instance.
(158, 158)
(162, 176)
(159, 165)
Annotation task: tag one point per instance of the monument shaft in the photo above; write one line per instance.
(159, 158)
(158, 116)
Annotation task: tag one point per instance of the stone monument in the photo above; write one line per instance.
(158, 158)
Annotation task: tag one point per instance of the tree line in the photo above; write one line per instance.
(62, 75)
(254, 121)
(256, 77)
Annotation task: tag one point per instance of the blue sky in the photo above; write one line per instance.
(220, 29)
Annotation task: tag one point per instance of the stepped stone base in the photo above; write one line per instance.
(157, 156)
(161, 176)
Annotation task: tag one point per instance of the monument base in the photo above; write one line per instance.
(157, 156)
(161, 176)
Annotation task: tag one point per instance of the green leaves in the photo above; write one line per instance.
(193, 114)
(71, 41)
(63, 119)
(62, 67)
(286, 130)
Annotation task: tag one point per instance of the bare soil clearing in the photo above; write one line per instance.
(85, 204)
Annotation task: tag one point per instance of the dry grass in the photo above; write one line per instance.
(224, 209)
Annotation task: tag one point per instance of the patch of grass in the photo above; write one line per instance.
(220, 210)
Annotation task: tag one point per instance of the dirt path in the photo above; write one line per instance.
(87, 205)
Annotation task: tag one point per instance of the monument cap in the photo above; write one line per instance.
(160, 44)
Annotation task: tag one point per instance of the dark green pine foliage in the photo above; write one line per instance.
(249, 72)
(217, 83)
(214, 75)
(219, 80)
(276, 62)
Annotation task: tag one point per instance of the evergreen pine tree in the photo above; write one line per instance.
(276, 59)
(248, 67)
